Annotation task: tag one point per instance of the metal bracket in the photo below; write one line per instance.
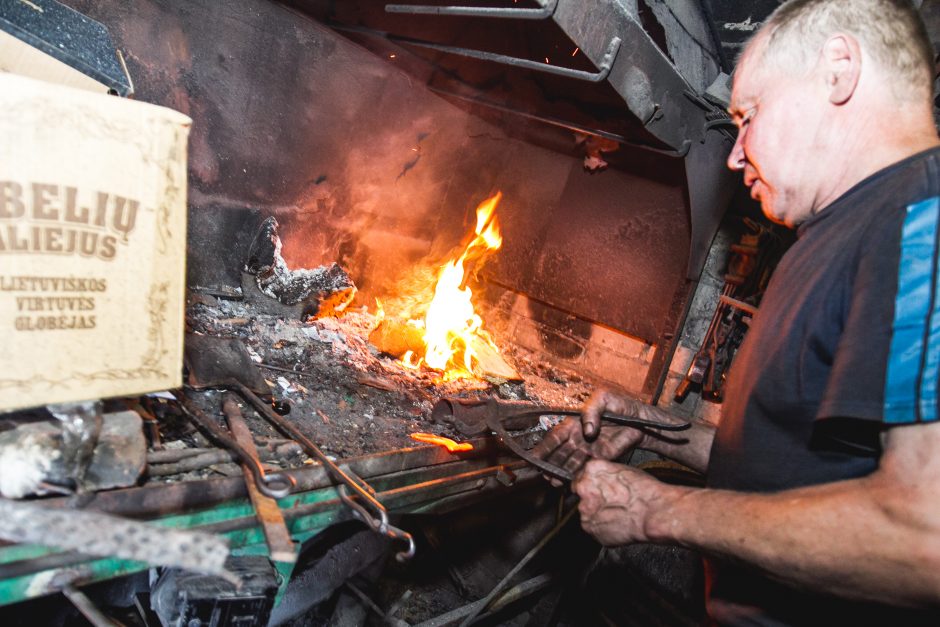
(547, 10)
(592, 77)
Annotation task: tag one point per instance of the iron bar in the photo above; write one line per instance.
(516, 593)
(547, 9)
(88, 609)
(369, 603)
(485, 601)
(738, 304)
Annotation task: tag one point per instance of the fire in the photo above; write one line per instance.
(440, 440)
(451, 325)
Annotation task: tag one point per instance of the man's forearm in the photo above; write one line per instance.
(854, 538)
(690, 448)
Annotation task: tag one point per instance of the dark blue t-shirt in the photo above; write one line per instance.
(845, 343)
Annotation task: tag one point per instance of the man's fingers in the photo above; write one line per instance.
(576, 461)
(622, 438)
(591, 416)
(555, 438)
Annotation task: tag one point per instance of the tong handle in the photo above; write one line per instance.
(620, 419)
(384, 528)
(630, 421)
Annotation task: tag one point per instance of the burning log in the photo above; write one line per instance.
(490, 365)
(395, 338)
(451, 337)
(275, 289)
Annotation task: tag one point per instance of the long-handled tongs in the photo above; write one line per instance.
(370, 510)
(477, 416)
(224, 363)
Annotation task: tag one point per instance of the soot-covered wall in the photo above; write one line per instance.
(363, 165)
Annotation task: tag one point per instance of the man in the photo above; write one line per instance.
(822, 503)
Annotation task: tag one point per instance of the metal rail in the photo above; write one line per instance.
(603, 69)
(412, 480)
(571, 126)
(547, 10)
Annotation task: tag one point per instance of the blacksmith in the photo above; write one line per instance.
(822, 504)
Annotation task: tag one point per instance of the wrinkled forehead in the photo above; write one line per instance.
(747, 75)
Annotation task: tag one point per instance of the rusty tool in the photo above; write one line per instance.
(477, 416)
(275, 485)
(225, 363)
(280, 545)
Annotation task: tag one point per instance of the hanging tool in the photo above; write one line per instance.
(749, 266)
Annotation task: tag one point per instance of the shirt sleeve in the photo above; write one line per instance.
(885, 365)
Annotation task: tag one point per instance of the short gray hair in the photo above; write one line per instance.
(890, 31)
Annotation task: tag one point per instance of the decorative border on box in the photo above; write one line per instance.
(158, 300)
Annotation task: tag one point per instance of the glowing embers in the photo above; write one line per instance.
(453, 331)
(450, 445)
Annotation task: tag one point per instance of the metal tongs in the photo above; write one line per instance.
(478, 416)
(225, 363)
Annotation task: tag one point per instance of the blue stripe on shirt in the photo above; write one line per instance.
(914, 357)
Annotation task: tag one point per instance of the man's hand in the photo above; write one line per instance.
(568, 446)
(617, 501)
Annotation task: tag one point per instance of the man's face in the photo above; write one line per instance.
(777, 149)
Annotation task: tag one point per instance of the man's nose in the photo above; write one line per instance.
(736, 159)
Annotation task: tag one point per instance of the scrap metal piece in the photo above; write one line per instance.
(81, 427)
(97, 534)
(34, 460)
(211, 359)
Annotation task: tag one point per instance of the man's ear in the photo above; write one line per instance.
(842, 63)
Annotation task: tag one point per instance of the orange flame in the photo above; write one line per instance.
(440, 440)
(451, 324)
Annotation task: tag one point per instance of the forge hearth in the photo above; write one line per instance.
(348, 396)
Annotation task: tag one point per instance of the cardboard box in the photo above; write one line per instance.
(92, 244)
